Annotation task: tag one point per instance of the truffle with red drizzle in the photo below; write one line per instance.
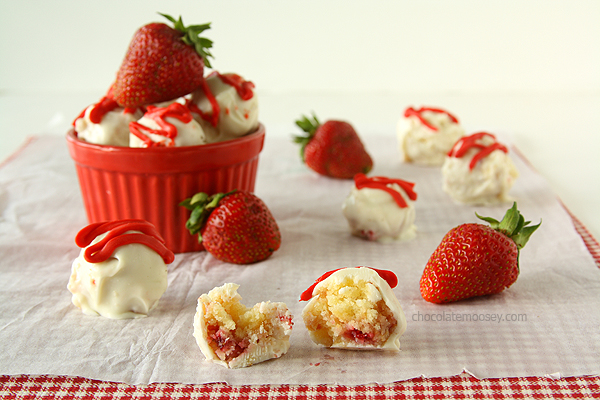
(383, 183)
(475, 141)
(381, 209)
(105, 122)
(426, 134)
(121, 271)
(226, 106)
(354, 308)
(478, 170)
(168, 126)
(410, 111)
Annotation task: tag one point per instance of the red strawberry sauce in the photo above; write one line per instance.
(418, 113)
(381, 182)
(386, 275)
(159, 115)
(466, 143)
(103, 107)
(242, 87)
(117, 236)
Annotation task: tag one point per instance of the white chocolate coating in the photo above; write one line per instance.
(237, 117)
(354, 298)
(419, 144)
(112, 130)
(488, 183)
(247, 335)
(127, 285)
(374, 215)
(188, 134)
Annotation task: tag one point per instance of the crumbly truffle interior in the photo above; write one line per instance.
(232, 327)
(351, 312)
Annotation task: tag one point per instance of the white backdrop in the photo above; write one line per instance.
(325, 46)
(530, 69)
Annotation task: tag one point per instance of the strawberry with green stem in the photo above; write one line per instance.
(475, 259)
(162, 63)
(333, 148)
(235, 227)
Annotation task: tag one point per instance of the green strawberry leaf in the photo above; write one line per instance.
(309, 127)
(169, 18)
(193, 223)
(201, 206)
(199, 198)
(523, 236)
(511, 221)
(191, 36)
(187, 204)
(513, 225)
(493, 222)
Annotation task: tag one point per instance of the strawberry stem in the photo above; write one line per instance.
(513, 225)
(201, 206)
(309, 127)
(191, 36)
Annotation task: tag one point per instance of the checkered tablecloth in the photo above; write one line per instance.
(460, 386)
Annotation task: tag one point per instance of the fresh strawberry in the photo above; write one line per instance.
(235, 227)
(476, 259)
(332, 149)
(162, 63)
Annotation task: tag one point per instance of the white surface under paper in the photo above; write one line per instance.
(548, 322)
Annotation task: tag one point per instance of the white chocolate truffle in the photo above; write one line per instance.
(122, 272)
(381, 209)
(166, 127)
(354, 308)
(426, 135)
(106, 123)
(234, 336)
(479, 171)
(237, 106)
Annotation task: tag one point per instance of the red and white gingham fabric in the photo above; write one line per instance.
(462, 386)
(458, 387)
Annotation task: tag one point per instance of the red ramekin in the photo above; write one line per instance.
(149, 183)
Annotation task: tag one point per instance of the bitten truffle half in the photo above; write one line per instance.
(235, 336)
(354, 308)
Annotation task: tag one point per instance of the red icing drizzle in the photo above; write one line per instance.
(243, 88)
(466, 143)
(386, 275)
(381, 182)
(117, 237)
(418, 113)
(159, 115)
(103, 107)
(99, 110)
(212, 118)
